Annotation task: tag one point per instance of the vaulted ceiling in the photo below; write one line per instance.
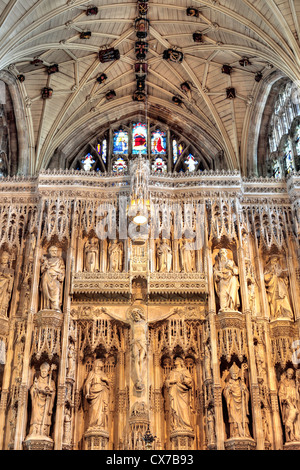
(264, 31)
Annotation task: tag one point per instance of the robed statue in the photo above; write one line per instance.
(115, 254)
(91, 255)
(237, 397)
(179, 385)
(187, 256)
(6, 283)
(289, 398)
(226, 281)
(42, 394)
(276, 281)
(52, 278)
(164, 257)
(96, 391)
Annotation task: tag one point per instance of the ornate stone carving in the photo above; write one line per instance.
(42, 392)
(96, 391)
(91, 256)
(164, 257)
(52, 277)
(179, 384)
(138, 345)
(187, 256)
(237, 397)
(115, 253)
(289, 398)
(276, 281)
(169, 295)
(226, 281)
(6, 283)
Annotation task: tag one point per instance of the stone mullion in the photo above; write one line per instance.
(157, 402)
(10, 342)
(6, 382)
(277, 428)
(22, 415)
(122, 406)
(254, 388)
(217, 389)
(61, 382)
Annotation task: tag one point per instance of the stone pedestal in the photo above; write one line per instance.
(96, 439)
(182, 440)
(139, 423)
(292, 445)
(38, 443)
(240, 443)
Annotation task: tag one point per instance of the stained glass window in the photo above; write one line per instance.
(158, 142)
(87, 162)
(191, 163)
(297, 140)
(119, 166)
(289, 162)
(139, 139)
(159, 166)
(120, 142)
(175, 151)
(104, 151)
(180, 149)
(276, 169)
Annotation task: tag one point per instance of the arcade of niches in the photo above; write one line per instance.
(149, 226)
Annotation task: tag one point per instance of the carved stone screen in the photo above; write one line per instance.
(149, 225)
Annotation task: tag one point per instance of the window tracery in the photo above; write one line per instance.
(167, 151)
(284, 135)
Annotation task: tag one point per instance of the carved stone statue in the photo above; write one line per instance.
(237, 396)
(251, 283)
(6, 283)
(164, 257)
(53, 274)
(71, 361)
(276, 281)
(289, 398)
(226, 281)
(91, 255)
(42, 394)
(207, 362)
(96, 390)
(67, 436)
(115, 253)
(178, 385)
(211, 423)
(187, 257)
(138, 344)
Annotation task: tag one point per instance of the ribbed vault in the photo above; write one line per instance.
(264, 32)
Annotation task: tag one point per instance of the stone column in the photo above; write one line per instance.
(122, 406)
(254, 387)
(22, 415)
(157, 397)
(276, 421)
(217, 388)
(7, 331)
(61, 383)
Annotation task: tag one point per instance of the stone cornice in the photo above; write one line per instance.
(71, 184)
